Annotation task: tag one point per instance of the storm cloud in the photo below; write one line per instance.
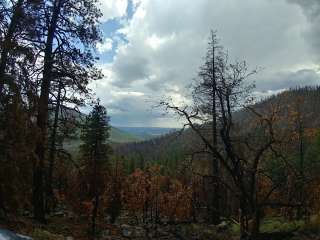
(311, 9)
(165, 42)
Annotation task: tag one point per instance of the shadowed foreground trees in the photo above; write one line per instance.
(71, 31)
(42, 43)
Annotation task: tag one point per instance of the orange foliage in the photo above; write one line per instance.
(151, 191)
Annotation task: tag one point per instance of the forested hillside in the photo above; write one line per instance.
(232, 166)
(172, 149)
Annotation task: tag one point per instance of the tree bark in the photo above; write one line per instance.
(255, 226)
(301, 163)
(94, 216)
(215, 198)
(242, 220)
(52, 152)
(42, 118)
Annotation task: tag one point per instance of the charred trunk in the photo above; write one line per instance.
(50, 201)
(94, 216)
(42, 119)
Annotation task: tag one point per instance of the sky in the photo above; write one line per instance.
(153, 49)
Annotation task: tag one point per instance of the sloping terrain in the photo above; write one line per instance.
(308, 100)
(146, 133)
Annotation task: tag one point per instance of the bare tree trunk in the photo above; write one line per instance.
(215, 198)
(300, 209)
(94, 216)
(52, 152)
(255, 225)
(2, 207)
(242, 220)
(42, 119)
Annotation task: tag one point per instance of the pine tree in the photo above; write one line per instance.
(70, 33)
(95, 151)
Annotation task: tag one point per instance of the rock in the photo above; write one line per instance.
(58, 214)
(126, 230)
(22, 237)
(26, 213)
(105, 234)
(69, 238)
(223, 226)
(107, 219)
(70, 215)
(112, 238)
(123, 220)
(139, 232)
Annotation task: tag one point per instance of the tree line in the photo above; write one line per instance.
(47, 61)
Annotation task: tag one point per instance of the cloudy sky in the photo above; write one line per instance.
(153, 48)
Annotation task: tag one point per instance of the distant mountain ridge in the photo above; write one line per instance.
(147, 133)
(124, 134)
(121, 135)
(149, 139)
(118, 135)
(155, 149)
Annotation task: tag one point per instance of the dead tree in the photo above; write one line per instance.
(239, 151)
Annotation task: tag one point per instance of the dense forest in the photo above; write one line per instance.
(240, 167)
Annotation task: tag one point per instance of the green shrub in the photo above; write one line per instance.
(270, 225)
(313, 226)
(39, 234)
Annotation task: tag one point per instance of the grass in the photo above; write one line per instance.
(279, 224)
(40, 234)
(313, 226)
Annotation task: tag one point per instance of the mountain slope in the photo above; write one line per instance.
(146, 133)
(119, 136)
(159, 148)
(116, 136)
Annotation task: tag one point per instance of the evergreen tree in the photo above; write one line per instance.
(95, 151)
(70, 31)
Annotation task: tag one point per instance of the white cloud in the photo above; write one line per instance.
(311, 10)
(105, 46)
(113, 9)
(167, 41)
(179, 29)
(156, 42)
(128, 93)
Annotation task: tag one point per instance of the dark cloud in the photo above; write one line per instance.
(130, 70)
(311, 9)
(286, 80)
(138, 111)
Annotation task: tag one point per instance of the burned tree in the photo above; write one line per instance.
(205, 98)
(240, 151)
